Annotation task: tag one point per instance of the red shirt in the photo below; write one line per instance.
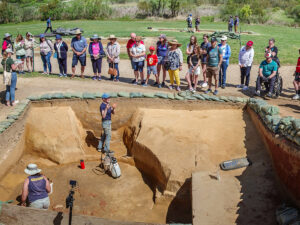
(130, 43)
(298, 66)
(152, 60)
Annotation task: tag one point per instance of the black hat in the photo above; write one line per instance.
(213, 39)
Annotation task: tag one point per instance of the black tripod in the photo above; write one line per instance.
(70, 199)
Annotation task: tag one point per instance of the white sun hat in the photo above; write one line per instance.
(223, 38)
(32, 169)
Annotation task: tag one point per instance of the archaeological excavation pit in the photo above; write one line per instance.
(169, 153)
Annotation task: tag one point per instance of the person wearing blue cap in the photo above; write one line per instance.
(189, 21)
(61, 50)
(49, 25)
(46, 49)
(106, 110)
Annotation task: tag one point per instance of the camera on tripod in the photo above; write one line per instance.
(70, 199)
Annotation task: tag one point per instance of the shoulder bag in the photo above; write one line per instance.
(113, 71)
(6, 76)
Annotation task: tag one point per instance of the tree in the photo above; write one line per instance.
(174, 6)
(245, 13)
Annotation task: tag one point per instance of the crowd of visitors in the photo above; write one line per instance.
(208, 58)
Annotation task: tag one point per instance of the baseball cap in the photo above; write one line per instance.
(152, 48)
(105, 96)
(162, 36)
(213, 39)
(42, 35)
(58, 37)
(268, 55)
(249, 43)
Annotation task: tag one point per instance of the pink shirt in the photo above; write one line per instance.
(96, 48)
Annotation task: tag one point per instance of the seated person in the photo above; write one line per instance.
(297, 80)
(267, 74)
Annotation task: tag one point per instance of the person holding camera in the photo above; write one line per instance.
(106, 110)
(36, 188)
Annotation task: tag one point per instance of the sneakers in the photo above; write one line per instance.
(144, 85)
(94, 78)
(60, 75)
(269, 95)
(204, 84)
(215, 92)
(240, 86)
(135, 83)
(178, 89)
(207, 91)
(296, 97)
(155, 84)
(191, 89)
(257, 93)
(65, 75)
(163, 84)
(159, 86)
(171, 87)
(245, 88)
(223, 86)
(15, 102)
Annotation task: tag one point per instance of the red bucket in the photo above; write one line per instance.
(82, 166)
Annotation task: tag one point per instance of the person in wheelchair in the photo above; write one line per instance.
(297, 80)
(267, 74)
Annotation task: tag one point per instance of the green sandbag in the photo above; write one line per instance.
(171, 96)
(296, 139)
(224, 98)
(206, 97)
(296, 124)
(14, 117)
(11, 121)
(149, 95)
(183, 94)
(76, 95)
(177, 97)
(239, 99)
(161, 95)
(198, 96)
(67, 95)
(87, 95)
(286, 120)
(98, 94)
(57, 96)
(34, 98)
(45, 97)
(5, 124)
(113, 94)
(2, 129)
(215, 98)
(136, 95)
(270, 110)
(190, 98)
(124, 94)
(232, 99)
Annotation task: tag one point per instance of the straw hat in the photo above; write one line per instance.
(112, 37)
(78, 31)
(174, 42)
(32, 169)
(95, 36)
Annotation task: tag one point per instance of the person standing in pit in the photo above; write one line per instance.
(226, 51)
(205, 45)
(61, 49)
(297, 80)
(96, 51)
(129, 45)
(161, 51)
(10, 67)
(7, 44)
(20, 53)
(29, 44)
(113, 56)
(246, 56)
(175, 61)
(214, 61)
(49, 25)
(236, 24)
(151, 66)
(230, 24)
(197, 24)
(106, 110)
(79, 46)
(137, 53)
(36, 188)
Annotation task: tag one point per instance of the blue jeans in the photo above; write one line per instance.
(222, 74)
(106, 136)
(269, 83)
(46, 62)
(116, 66)
(10, 89)
(245, 72)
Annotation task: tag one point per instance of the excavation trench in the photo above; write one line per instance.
(159, 144)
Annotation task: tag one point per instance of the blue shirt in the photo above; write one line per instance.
(231, 22)
(36, 188)
(226, 52)
(79, 45)
(214, 58)
(48, 22)
(236, 21)
(268, 68)
(161, 50)
(108, 113)
(204, 46)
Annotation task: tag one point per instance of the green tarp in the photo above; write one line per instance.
(123, 94)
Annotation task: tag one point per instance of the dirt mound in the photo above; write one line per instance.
(55, 133)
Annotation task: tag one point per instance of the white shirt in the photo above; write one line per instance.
(136, 50)
(246, 56)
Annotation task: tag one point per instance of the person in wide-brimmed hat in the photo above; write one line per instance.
(7, 42)
(175, 61)
(36, 188)
(113, 55)
(61, 49)
(96, 51)
(79, 47)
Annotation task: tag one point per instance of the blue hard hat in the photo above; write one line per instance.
(105, 95)
(57, 37)
(42, 35)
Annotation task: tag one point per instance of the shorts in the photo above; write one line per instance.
(43, 203)
(132, 64)
(297, 77)
(20, 56)
(212, 72)
(152, 69)
(138, 66)
(161, 60)
(82, 60)
(197, 71)
(203, 60)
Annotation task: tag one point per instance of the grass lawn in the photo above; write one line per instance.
(287, 38)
